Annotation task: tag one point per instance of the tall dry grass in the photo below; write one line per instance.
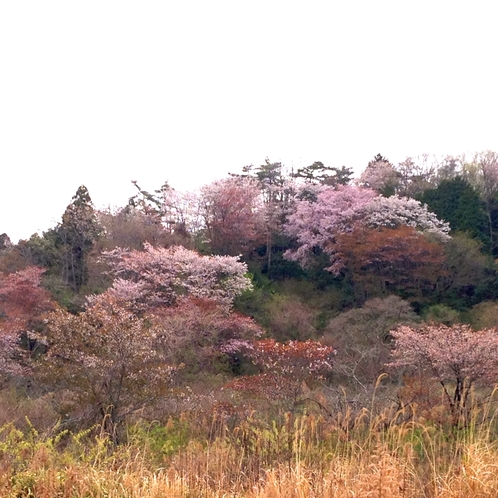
(390, 454)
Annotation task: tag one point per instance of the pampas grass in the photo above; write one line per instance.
(389, 454)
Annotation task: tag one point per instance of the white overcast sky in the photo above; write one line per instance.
(104, 92)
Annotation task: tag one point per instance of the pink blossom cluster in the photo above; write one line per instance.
(161, 275)
(448, 353)
(315, 224)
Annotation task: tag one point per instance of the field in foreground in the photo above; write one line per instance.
(387, 455)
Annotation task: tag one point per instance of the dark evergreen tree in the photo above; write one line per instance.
(277, 193)
(326, 175)
(456, 202)
(76, 236)
(5, 241)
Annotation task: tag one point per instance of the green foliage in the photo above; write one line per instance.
(288, 318)
(471, 275)
(64, 250)
(281, 268)
(161, 440)
(325, 175)
(456, 202)
(41, 251)
(76, 236)
(292, 303)
(440, 313)
(484, 315)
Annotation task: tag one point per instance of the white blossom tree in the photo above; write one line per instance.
(394, 211)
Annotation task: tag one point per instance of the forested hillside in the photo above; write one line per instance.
(259, 300)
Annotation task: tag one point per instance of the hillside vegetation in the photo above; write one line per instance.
(271, 334)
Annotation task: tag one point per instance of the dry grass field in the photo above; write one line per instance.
(390, 454)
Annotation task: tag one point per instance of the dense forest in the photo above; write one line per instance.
(290, 317)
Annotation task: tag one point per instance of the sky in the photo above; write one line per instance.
(100, 93)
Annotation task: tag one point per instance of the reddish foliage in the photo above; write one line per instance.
(402, 257)
(22, 298)
(287, 367)
(21, 301)
(316, 224)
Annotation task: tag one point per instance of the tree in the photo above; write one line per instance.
(315, 225)
(288, 318)
(470, 275)
(456, 202)
(389, 259)
(196, 331)
(150, 204)
(277, 190)
(76, 236)
(175, 212)
(132, 228)
(324, 175)
(286, 368)
(233, 215)
(380, 176)
(447, 169)
(106, 358)
(5, 242)
(414, 177)
(159, 276)
(397, 211)
(482, 173)
(362, 338)
(22, 301)
(457, 357)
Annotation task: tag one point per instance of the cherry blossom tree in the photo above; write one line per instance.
(182, 213)
(457, 357)
(161, 275)
(233, 215)
(380, 176)
(394, 211)
(315, 225)
(107, 358)
(287, 367)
